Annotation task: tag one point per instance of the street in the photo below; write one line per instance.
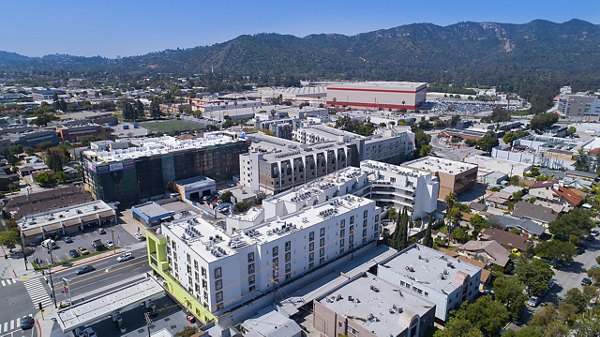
(108, 274)
(15, 302)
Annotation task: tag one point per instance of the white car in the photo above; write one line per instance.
(533, 301)
(109, 243)
(89, 332)
(124, 257)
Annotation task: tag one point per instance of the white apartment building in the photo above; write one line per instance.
(222, 270)
(436, 277)
(393, 144)
(401, 187)
(579, 105)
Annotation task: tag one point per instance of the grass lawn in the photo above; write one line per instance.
(172, 126)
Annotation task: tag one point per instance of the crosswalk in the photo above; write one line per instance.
(7, 282)
(10, 326)
(37, 292)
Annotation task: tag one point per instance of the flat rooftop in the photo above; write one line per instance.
(318, 186)
(66, 215)
(103, 306)
(376, 305)
(266, 143)
(435, 164)
(212, 242)
(375, 166)
(378, 85)
(152, 210)
(304, 150)
(431, 268)
(196, 182)
(159, 146)
(330, 132)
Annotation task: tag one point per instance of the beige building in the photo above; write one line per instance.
(454, 176)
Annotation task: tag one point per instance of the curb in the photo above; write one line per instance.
(59, 269)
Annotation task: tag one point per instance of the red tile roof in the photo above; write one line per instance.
(569, 195)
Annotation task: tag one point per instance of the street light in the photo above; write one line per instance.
(50, 274)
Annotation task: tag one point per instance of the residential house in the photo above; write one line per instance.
(506, 222)
(490, 252)
(537, 213)
(506, 239)
(568, 196)
(544, 190)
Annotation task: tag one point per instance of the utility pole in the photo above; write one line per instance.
(112, 234)
(23, 250)
(50, 273)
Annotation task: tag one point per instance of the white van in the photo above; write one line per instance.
(49, 244)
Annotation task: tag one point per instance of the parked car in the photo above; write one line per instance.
(74, 253)
(27, 322)
(124, 257)
(140, 237)
(101, 231)
(49, 244)
(533, 301)
(586, 281)
(85, 269)
(67, 239)
(109, 243)
(98, 245)
(594, 232)
(83, 251)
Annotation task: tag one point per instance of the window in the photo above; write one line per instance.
(195, 264)
(322, 242)
(322, 260)
(311, 256)
(275, 261)
(251, 268)
(364, 223)
(203, 272)
(251, 279)
(343, 223)
(322, 232)
(251, 257)
(219, 296)
(251, 289)
(189, 258)
(311, 246)
(288, 276)
(364, 232)
(352, 220)
(322, 252)
(288, 267)
(218, 284)
(365, 214)
(275, 251)
(342, 242)
(311, 236)
(288, 256)
(204, 284)
(311, 265)
(342, 233)
(288, 246)
(341, 251)
(218, 272)
(377, 218)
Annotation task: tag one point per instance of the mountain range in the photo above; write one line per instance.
(462, 53)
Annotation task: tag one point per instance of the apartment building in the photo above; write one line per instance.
(370, 307)
(579, 105)
(274, 165)
(434, 276)
(453, 176)
(401, 187)
(212, 271)
(392, 145)
(143, 169)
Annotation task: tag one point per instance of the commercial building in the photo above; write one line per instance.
(391, 145)
(377, 95)
(579, 106)
(76, 131)
(211, 271)
(507, 167)
(34, 138)
(453, 176)
(45, 95)
(151, 213)
(275, 164)
(145, 168)
(281, 128)
(31, 203)
(196, 188)
(401, 187)
(368, 306)
(207, 106)
(434, 276)
(66, 220)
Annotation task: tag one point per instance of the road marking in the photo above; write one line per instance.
(12, 325)
(37, 292)
(5, 326)
(102, 274)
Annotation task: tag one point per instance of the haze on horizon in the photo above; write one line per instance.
(114, 28)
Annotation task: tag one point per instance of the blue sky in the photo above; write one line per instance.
(132, 27)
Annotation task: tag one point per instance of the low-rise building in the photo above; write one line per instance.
(31, 203)
(435, 277)
(537, 213)
(34, 138)
(196, 188)
(507, 167)
(151, 213)
(506, 239)
(453, 176)
(369, 306)
(490, 252)
(66, 220)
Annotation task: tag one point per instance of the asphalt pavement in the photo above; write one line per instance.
(108, 272)
(15, 302)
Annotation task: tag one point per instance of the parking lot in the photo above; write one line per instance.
(116, 233)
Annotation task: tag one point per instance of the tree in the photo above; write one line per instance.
(487, 142)
(511, 136)
(562, 251)
(479, 222)
(535, 274)
(401, 233)
(155, 109)
(571, 130)
(9, 238)
(528, 331)
(594, 274)
(226, 196)
(427, 237)
(128, 111)
(488, 315)
(544, 317)
(139, 109)
(576, 222)
(499, 114)
(576, 298)
(188, 331)
(459, 327)
(450, 200)
(422, 147)
(582, 161)
(460, 235)
(392, 213)
(45, 179)
(509, 292)
(542, 122)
